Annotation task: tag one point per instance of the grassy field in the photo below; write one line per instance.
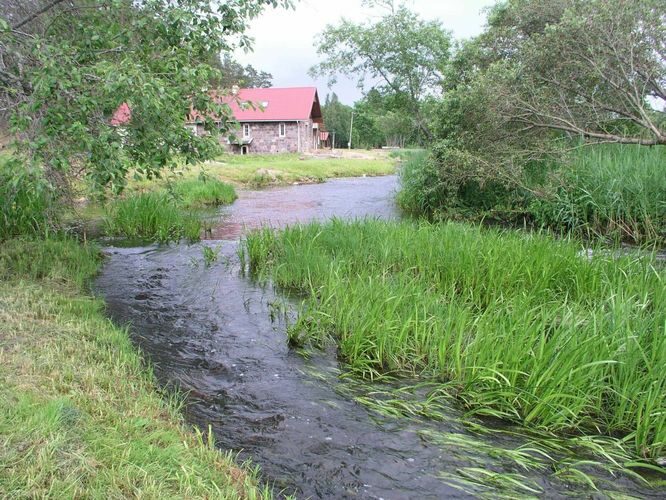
(80, 415)
(516, 326)
(264, 170)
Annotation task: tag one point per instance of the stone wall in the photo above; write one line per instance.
(266, 137)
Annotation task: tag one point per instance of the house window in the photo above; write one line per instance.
(282, 129)
(246, 130)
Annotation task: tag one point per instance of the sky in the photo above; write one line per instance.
(284, 39)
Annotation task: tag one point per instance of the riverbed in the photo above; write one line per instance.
(212, 332)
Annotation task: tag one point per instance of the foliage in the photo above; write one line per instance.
(80, 415)
(402, 55)
(67, 67)
(25, 200)
(518, 326)
(233, 73)
(154, 216)
(337, 119)
(615, 192)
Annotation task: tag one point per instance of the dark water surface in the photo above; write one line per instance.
(210, 331)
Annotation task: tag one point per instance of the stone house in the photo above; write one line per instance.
(272, 120)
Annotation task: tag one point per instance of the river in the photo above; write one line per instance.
(214, 333)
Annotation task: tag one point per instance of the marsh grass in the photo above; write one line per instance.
(208, 192)
(80, 415)
(26, 200)
(519, 327)
(610, 191)
(152, 215)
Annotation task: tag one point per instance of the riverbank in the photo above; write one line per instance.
(256, 171)
(516, 326)
(80, 414)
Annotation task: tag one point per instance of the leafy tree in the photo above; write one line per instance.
(233, 73)
(401, 54)
(592, 69)
(337, 119)
(67, 66)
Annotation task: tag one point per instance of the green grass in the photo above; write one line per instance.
(611, 191)
(80, 415)
(261, 170)
(198, 193)
(154, 215)
(519, 327)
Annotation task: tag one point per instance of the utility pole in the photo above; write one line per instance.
(333, 141)
(351, 128)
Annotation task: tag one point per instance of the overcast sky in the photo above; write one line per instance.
(284, 40)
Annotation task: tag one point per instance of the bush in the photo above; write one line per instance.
(451, 179)
(153, 216)
(26, 200)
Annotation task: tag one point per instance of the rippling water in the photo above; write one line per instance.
(221, 337)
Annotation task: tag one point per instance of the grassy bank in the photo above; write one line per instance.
(80, 416)
(517, 327)
(263, 170)
(611, 192)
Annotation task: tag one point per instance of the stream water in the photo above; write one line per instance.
(219, 336)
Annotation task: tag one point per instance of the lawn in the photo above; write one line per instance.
(263, 170)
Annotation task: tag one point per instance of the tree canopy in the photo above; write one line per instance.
(400, 55)
(65, 67)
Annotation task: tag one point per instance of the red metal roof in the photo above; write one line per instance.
(263, 104)
(276, 104)
(121, 116)
(272, 104)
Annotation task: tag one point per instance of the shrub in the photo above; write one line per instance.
(26, 200)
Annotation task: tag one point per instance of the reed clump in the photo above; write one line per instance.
(199, 193)
(153, 215)
(517, 326)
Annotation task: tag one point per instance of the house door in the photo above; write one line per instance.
(244, 150)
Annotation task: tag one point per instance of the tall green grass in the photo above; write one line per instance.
(197, 193)
(612, 191)
(517, 326)
(26, 200)
(154, 216)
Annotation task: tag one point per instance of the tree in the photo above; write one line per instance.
(233, 73)
(401, 54)
(67, 66)
(591, 69)
(337, 119)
